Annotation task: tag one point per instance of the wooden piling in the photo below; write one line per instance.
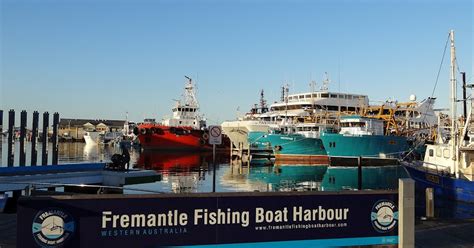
(359, 173)
(54, 139)
(1, 122)
(34, 137)
(44, 139)
(11, 126)
(23, 116)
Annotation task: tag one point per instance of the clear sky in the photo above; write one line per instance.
(103, 58)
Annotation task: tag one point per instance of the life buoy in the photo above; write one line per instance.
(143, 131)
(205, 136)
(278, 148)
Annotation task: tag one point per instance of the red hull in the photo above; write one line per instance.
(160, 137)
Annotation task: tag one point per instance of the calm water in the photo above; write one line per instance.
(192, 172)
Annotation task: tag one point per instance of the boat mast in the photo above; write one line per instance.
(454, 140)
(189, 94)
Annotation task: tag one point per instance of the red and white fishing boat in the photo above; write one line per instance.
(186, 130)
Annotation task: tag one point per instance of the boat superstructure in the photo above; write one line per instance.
(363, 137)
(405, 118)
(238, 130)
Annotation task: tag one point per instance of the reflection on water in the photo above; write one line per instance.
(443, 208)
(67, 153)
(192, 172)
(342, 178)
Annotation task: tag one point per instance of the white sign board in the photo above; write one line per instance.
(215, 135)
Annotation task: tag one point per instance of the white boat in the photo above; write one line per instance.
(112, 138)
(93, 137)
(448, 165)
(321, 106)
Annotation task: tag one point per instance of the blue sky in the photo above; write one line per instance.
(101, 59)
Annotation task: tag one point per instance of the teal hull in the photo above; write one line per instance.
(287, 144)
(364, 146)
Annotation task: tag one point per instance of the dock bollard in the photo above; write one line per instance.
(429, 202)
(359, 173)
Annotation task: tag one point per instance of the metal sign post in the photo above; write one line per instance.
(215, 138)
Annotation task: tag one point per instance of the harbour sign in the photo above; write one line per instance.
(233, 219)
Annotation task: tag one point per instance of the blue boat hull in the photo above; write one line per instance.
(443, 185)
(339, 145)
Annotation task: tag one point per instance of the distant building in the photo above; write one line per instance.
(75, 128)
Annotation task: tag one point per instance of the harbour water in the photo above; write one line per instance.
(192, 173)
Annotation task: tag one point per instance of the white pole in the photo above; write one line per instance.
(453, 105)
(406, 213)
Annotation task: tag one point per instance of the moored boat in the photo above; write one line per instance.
(448, 165)
(363, 137)
(316, 106)
(93, 137)
(292, 143)
(186, 130)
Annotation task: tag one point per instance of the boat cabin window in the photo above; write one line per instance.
(315, 95)
(349, 97)
(308, 96)
(341, 96)
(353, 124)
(324, 95)
(351, 108)
(333, 96)
(438, 152)
(333, 108)
(446, 153)
(301, 96)
(431, 152)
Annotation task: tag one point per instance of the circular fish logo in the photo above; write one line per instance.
(52, 227)
(384, 216)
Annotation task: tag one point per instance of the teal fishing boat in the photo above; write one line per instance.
(295, 143)
(364, 137)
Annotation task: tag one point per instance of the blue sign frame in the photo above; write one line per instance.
(207, 219)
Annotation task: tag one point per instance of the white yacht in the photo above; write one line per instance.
(313, 106)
